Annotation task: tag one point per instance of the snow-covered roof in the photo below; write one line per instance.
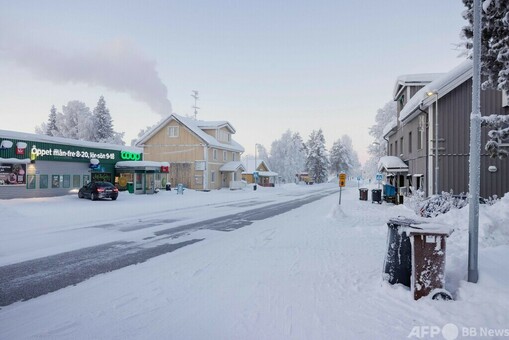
(196, 126)
(442, 85)
(5, 134)
(392, 164)
(232, 166)
(267, 174)
(413, 80)
(140, 164)
(14, 160)
(390, 126)
(250, 165)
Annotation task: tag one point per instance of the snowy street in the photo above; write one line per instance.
(314, 272)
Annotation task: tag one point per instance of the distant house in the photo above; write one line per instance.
(202, 154)
(441, 106)
(259, 174)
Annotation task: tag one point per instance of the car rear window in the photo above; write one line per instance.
(105, 185)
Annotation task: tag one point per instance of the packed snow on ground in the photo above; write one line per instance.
(311, 273)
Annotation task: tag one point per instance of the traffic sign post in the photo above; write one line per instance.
(342, 182)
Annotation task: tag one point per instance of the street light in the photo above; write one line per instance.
(429, 94)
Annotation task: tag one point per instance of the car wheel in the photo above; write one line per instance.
(94, 197)
(80, 195)
(113, 198)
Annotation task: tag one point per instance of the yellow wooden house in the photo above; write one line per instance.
(202, 154)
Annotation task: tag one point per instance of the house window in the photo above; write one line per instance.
(505, 99)
(410, 142)
(390, 149)
(401, 145)
(395, 148)
(225, 155)
(173, 131)
(233, 156)
(213, 176)
(214, 154)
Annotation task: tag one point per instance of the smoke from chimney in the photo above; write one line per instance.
(117, 65)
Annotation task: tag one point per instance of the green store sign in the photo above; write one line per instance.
(130, 156)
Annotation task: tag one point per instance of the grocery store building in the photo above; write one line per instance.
(33, 165)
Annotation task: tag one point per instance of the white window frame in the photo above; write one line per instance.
(225, 156)
(214, 154)
(233, 156)
(212, 177)
(505, 99)
(173, 131)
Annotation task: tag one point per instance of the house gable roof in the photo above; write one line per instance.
(413, 80)
(442, 85)
(195, 126)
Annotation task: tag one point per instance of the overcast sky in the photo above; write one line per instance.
(265, 66)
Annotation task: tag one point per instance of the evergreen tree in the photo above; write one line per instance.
(51, 126)
(494, 62)
(494, 41)
(103, 124)
(317, 161)
(339, 161)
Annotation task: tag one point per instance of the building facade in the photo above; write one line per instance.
(202, 154)
(34, 165)
(432, 136)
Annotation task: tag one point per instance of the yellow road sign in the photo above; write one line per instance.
(342, 179)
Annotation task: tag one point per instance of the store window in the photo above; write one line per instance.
(66, 181)
(30, 181)
(55, 181)
(75, 181)
(12, 174)
(86, 179)
(43, 181)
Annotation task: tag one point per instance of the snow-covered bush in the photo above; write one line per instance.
(440, 204)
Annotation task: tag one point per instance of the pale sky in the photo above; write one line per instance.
(265, 66)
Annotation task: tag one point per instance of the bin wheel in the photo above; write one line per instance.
(441, 295)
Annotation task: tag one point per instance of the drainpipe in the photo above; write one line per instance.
(206, 170)
(427, 146)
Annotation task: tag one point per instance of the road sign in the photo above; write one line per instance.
(379, 176)
(342, 179)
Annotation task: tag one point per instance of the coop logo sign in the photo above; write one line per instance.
(130, 156)
(56, 152)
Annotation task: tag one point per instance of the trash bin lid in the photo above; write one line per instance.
(417, 226)
(433, 229)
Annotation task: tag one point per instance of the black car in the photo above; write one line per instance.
(97, 190)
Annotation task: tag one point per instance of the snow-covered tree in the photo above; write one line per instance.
(494, 41)
(103, 124)
(262, 154)
(378, 148)
(76, 121)
(494, 62)
(339, 161)
(288, 156)
(317, 160)
(51, 126)
(499, 134)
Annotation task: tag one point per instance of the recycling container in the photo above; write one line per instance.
(363, 194)
(180, 189)
(428, 262)
(130, 187)
(376, 196)
(398, 260)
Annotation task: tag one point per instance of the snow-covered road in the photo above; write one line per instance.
(309, 273)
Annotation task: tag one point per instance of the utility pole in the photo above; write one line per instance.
(195, 107)
(475, 151)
